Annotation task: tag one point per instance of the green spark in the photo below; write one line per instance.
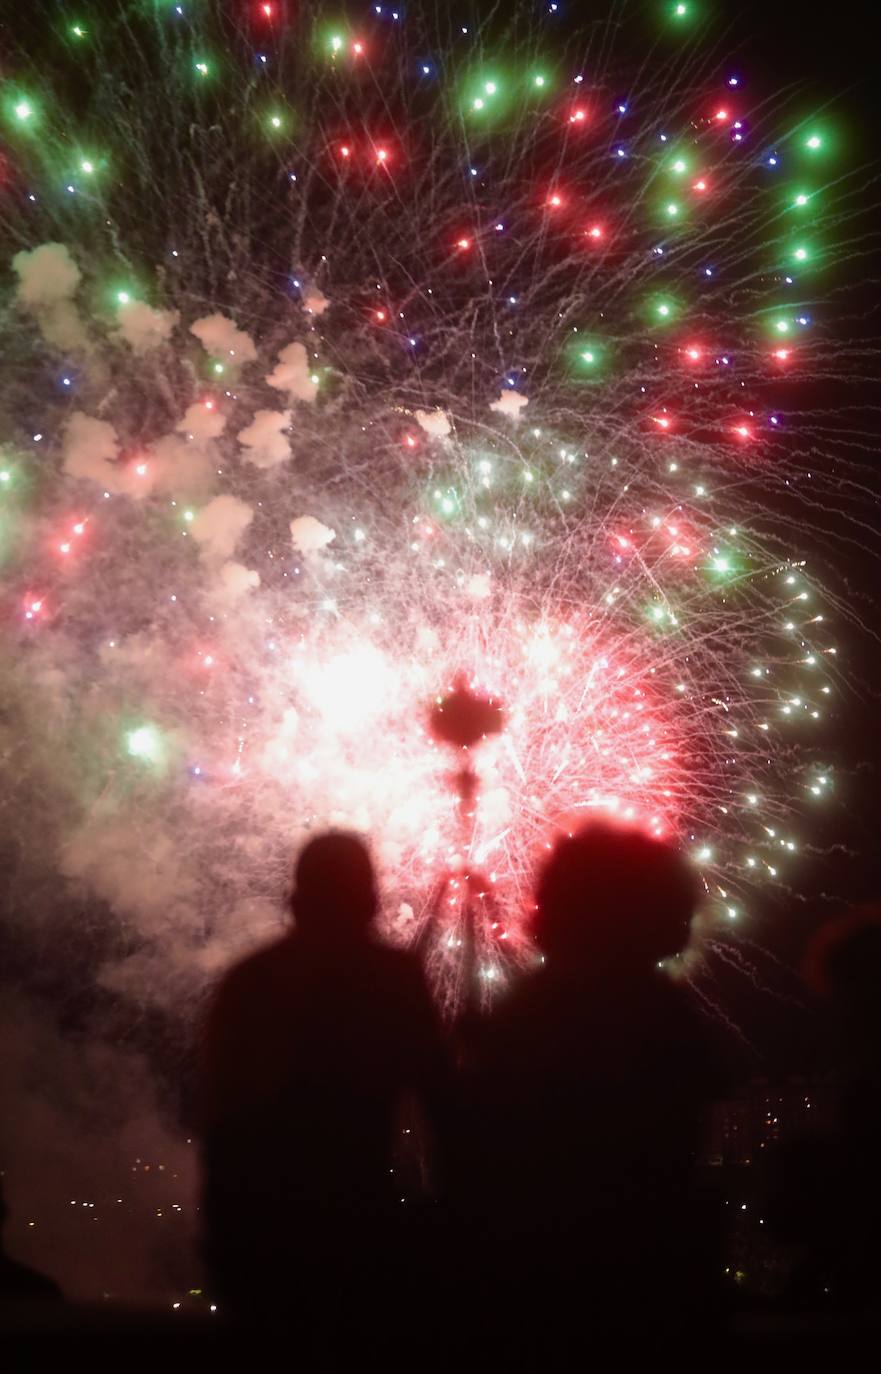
(143, 743)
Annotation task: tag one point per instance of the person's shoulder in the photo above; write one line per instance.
(257, 966)
(394, 960)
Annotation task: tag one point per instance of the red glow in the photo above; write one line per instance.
(578, 116)
(721, 115)
(694, 353)
(411, 442)
(555, 200)
(782, 354)
(345, 150)
(743, 432)
(357, 49)
(700, 185)
(594, 232)
(382, 155)
(381, 316)
(32, 608)
(662, 421)
(463, 243)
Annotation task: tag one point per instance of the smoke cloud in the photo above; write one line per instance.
(309, 535)
(144, 328)
(202, 421)
(219, 526)
(222, 339)
(510, 403)
(436, 423)
(293, 374)
(48, 279)
(266, 444)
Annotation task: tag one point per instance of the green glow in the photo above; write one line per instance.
(814, 142)
(5, 476)
(663, 309)
(23, 110)
(202, 68)
(123, 297)
(218, 367)
(143, 743)
(538, 81)
(189, 516)
(801, 255)
(680, 165)
(336, 42)
(680, 11)
(87, 166)
(588, 356)
(78, 31)
(801, 199)
(782, 326)
(487, 94)
(672, 209)
(275, 121)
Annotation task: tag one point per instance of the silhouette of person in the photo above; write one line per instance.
(19, 1284)
(585, 1101)
(309, 1046)
(824, 1187)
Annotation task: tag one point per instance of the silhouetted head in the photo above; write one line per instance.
(334, 897)
(843, 966)
(611, 897)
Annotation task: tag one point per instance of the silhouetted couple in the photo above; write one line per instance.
(563, 1148)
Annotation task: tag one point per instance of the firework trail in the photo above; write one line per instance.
(346, 356)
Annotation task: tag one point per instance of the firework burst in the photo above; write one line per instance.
(345, 359)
